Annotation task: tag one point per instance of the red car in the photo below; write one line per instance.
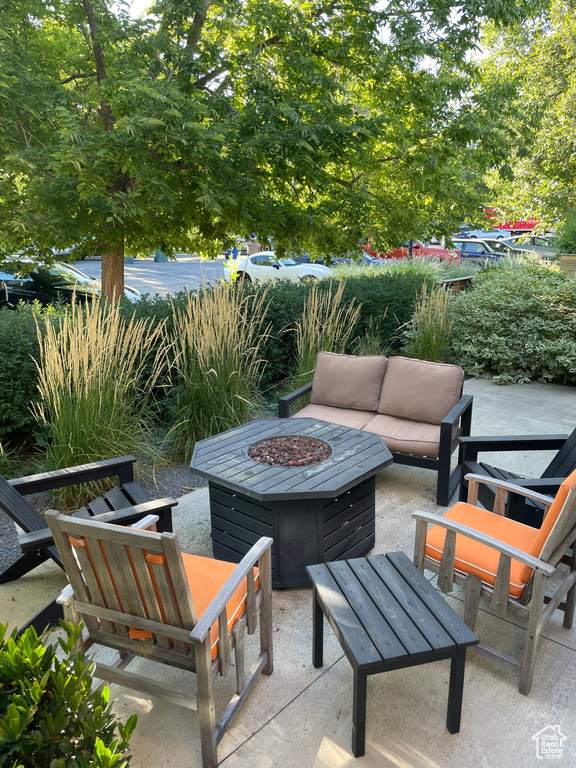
(418, 249)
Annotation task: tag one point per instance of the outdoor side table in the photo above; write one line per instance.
(386, 615)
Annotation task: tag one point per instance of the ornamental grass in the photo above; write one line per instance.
(94, 397)
(218, 338)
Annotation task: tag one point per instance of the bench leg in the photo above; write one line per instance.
(359, 714)
(317, 632)
(456, 689)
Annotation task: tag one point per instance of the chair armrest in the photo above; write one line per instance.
(511, 487)
(458, 410)
(284, 402)
(122, 467)
(489, 541)
(472, 446)
(211, 614)
(30, 542)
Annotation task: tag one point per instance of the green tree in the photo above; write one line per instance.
(536, 62)
(310, 122)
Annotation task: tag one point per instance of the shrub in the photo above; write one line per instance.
(567, 235)
(93, 393)
(517, 323)
(18, 374)
(430, 330)
(325, 326)
(218, 363)
(50, 718)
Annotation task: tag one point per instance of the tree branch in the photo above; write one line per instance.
(105, 110)
(78, 76)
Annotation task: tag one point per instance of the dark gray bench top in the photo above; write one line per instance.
(356, 455)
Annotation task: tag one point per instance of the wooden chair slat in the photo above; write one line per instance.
(150, 599)
(501, 593)
(239, 630)
(97, 576)
(224, 650)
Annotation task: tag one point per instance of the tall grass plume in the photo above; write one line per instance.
(218, 363)
(430, 330)
(93, 395)
(326, 325)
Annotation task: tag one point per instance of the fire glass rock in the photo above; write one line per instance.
(290, 451)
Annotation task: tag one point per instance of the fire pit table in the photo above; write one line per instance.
(314, 512)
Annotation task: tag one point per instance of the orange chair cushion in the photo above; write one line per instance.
(553, 512)
(206, 577)
(473, 557)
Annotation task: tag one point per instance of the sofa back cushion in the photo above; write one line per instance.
(419, 390)
(348, 381)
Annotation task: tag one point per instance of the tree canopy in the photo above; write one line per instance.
(536, 61)
(311, 122)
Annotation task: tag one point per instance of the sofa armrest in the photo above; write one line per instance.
(284, 402)
(122, 467)
(457, 422)
(472, 446)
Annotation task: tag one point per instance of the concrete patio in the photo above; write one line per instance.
(300, 717)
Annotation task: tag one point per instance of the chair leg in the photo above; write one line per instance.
(265, 570)
(571, 594)
(206, 711)
(534, 629)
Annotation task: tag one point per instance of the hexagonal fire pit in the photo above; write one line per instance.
(315, 513)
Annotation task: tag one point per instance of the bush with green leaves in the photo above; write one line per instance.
(18, 375)
(49, 718)
(517, 323)
(567, 235)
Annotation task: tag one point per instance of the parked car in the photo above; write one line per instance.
(419, 248)
(503, 247)
(476, 251)
(51, 283)
(544, 245)
(498, 234)
(266, 265)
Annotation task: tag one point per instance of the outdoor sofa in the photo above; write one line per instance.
(416, 406)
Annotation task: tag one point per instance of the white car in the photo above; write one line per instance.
(264, 266)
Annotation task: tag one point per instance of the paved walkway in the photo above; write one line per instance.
(300, 717)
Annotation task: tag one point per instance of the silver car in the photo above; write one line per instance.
(543, 245)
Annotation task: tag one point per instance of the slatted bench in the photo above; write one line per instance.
(386, 616)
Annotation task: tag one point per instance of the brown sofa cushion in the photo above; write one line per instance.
(406, 436)
(348, 381)
(419, 390)
(347, 417)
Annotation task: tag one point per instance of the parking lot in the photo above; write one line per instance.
(163, 278)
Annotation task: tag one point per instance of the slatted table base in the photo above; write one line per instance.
(305, 531)
(387, 616)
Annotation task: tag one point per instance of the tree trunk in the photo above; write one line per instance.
(113, 272)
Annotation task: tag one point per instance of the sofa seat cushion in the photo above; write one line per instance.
(420, 390)
(347, 417)
(477, 558)
(348, 381)
(406, 436)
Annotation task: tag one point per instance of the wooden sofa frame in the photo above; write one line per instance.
(455, 424)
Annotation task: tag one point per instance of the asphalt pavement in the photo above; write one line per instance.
(147, 276)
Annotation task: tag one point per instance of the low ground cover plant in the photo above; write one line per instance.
(49, 718)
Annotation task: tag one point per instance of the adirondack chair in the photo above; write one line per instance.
(513, 563)
(123, 504)
(138, 593)
(525, 510)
